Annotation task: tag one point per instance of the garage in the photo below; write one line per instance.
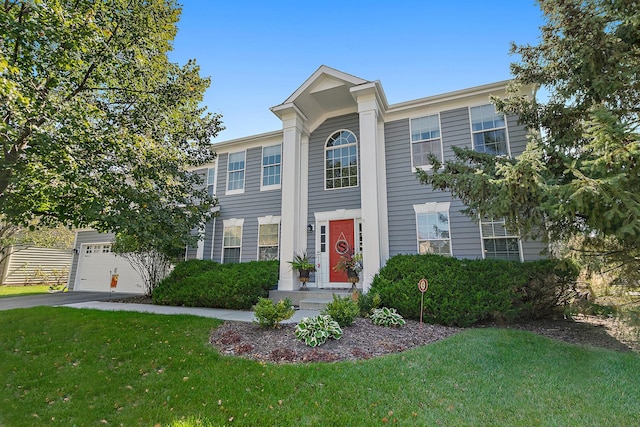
(99, 269)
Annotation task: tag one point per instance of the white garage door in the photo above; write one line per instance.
(98, 265)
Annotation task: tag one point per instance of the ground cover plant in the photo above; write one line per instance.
(64, 366)
(201, 283)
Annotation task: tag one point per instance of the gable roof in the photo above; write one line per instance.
(326, 93)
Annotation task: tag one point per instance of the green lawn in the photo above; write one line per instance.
(64, 366)
(13, 291)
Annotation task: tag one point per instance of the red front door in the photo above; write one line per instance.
(341, 242)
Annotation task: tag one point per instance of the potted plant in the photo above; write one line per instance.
(351, 263)
(302, 264)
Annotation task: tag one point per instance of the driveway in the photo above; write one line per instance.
(59, 298)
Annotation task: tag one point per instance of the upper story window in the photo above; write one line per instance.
(341, 160)
(271, 162)
(498, 242)
(425, 140)
(211, 181)
(235, 173)
(489, 130)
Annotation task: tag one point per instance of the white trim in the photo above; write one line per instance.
(277, 186)
(336, 148)
(233, 222)
(269, 219)
(338, 214)
(506, 128)
(244, 178)
(432, 207)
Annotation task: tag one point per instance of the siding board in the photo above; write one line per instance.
(249, 205)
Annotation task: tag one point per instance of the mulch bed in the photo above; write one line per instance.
(364, 340)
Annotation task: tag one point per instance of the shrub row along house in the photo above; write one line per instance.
(340, 177)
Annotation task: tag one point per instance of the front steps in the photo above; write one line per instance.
(313, 299)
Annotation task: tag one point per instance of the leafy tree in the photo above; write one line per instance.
(98, 127)
(580, 174)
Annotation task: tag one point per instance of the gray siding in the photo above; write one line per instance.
(517, 136)
(82, 237)
(321, 200)
(249, 205)
(404, 190)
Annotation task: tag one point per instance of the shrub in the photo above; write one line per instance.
(315, 331)
(342, 310)
(386, 317)
(269, 315)
(232, 286)
(367, 302)
(463, 292)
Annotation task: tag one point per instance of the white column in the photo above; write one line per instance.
(293, 237)
(372, 183)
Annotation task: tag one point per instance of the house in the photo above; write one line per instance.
(340, 176)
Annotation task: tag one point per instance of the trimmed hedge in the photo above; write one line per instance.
(198, 283)
(463, 292)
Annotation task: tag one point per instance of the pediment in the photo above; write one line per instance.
(325, 93)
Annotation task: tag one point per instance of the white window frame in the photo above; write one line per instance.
(268, 220)
(474, 132)
(212, 178)
(324, 159)
(494, 237)
(263, 167)
(228, 223)
(425, 167)
(244, 173)
(433, 208)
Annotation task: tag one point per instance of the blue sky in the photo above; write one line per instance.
(257, 53)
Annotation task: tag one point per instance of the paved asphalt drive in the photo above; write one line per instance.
(58, 298)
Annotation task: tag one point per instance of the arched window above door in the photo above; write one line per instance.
(341, 160)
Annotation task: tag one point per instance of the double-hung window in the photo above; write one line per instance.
(271, 162)
(211, 181)
(232, 240)
(432, 221)
(268, 237)
(425, 140)
(498, 242)
(489, 130)
(235, 172)
(341, 160)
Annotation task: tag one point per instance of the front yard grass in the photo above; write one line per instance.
(14, 291)
(64, 366)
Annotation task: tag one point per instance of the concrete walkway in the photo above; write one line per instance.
(217, 313)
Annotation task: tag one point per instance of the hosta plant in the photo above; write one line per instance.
(386, 317)
(315, 331)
